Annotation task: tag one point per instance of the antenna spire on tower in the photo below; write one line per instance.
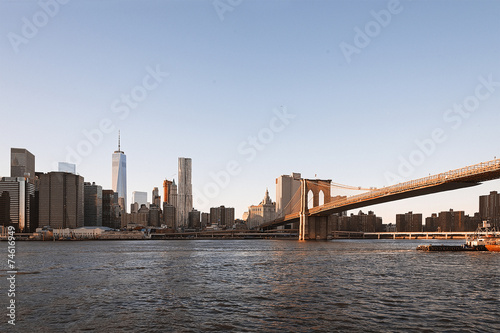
(119, 140)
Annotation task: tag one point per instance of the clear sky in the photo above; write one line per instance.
(341, 90)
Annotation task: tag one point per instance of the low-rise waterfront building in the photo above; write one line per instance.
(409, 222)
(489, 208)
(205, 220)
(194, 219)
(222, 216)
(359, 223)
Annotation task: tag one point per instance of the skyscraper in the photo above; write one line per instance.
(286, 187)
(167, 184)
(184, 192)
(16, 198)
(92, 204)
(22, 164)
(61, 200)
(170, 203)
(155, 197)
(172, 195)
(119, 176)
(154, 216)
(110, 209)
(169, 215)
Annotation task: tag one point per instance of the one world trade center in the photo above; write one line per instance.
(119, 176)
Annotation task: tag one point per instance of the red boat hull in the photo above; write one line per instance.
(493, 247)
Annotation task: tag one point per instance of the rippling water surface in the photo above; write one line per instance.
(254, 286)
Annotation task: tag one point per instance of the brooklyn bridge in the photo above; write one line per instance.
(312, 204)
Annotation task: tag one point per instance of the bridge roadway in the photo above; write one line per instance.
(454, 179)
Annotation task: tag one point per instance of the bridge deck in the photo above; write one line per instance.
(446, 181)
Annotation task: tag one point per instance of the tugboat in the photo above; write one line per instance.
(486, 236)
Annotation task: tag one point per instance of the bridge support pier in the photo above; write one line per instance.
(318, 227)
(314, 227)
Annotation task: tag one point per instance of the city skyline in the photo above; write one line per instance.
(418, 96)
(186, 164)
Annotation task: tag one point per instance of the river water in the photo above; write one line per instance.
(253, 286)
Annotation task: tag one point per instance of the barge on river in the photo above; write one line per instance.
(486, 238)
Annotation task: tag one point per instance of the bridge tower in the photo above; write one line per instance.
(314, 227)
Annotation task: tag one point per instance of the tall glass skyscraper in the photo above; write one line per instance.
(119, 176)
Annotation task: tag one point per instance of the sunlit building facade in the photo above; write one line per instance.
(286, 187)
(264, 212)
(184, 192)
(16, 200)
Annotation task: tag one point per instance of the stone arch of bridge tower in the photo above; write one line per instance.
(310, 199)
(319, 188)
(321, 198)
